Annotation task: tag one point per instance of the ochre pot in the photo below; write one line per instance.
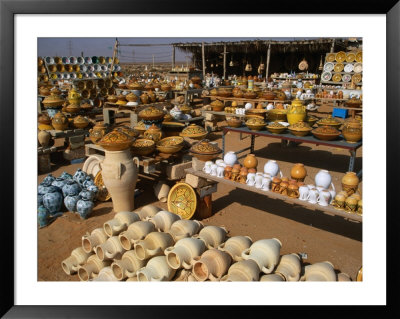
(250, 161)
(298, 172)
(350, 182)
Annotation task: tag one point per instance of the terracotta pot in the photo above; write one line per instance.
(71, 264)
(212, 236)
(92, 268)
(135, 232)
(44, 138)
(234, 246)
(44, 119)
(250, 161)
(153, 133)
(350, 182)
(289, 267)
(184, 228)
(127, 266)
(163, 220)
(152, 245)
(119, 176)
(298, 172)
(110, 249)
(96, 238)
(157, 269)
(212, 264)
(97, 132)
(119, 223)
(60, 121)
(183, 252)
(245, 270)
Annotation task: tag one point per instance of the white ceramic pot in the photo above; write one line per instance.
(272, 168)
(230, 158)
(163, 220)
(270, 106)
(106, 274)
(214, 168)
(111, 249)
(207, 167)
(234, 246)
(266, 182)
(212, 265)
(127, 266)
(303, 192)
(212, 236)
(119, 223)
(245, 270)
(251, 179)
(220, 171)
(265, 253)
(183, 252)
(78, 257)
(148, 211)
(323, 179)
(96, 238)
(272, 277)
(324, 198)
(152, 245)
(322, 271)
(313, 196)
(248, 106)
(92, 268)
(289, 267)
(157, 269)
(135, 232)
(161, 190)
(184, 228)
(219, 162)
(259, 180)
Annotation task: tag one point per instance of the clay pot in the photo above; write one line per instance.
(96, 238)
(161, 190)
(157, 269)
(230, 158)
(265, 252)
(110, 249)
(212, 264)
(44, 119)
(298, 172)
(119, 223)
(289, 267)
(97, 132)
(153, 133)
(127, 266)
(144, 98)
(148, 211)
(78, 257)
(44, 138)
(152, 245)
(92, 268)
(183, 252)
(245, 270)
(350, 182)
(163, 220)
(184, 228)
(106, 274)
(213, 236)
(322, 271)
(250, 161)
(80, 122)
(119, 174)
(234, 246)
(323, 179)
(272, 168)
(272, 277)
(60, 121)
(135, 232)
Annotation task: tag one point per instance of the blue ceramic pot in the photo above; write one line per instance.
(49, 179)
(44, 189)
(39, 200)
(88, 182)
(94, 189)
(71, 188)
(43, 216)
(84, 208)
(86, 195)
(70, 202)
(79, 176)
(52, 111)
(59, 182)
(53, 201)
(66, 176)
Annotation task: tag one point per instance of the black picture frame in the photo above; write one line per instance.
(8, 10)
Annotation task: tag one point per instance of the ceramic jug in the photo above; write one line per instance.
(71, 188)
(152, 245)
(184, 228)
(183, 252)
(119, 176)
(157, 269)
(324, 197)
(266, 182)
(161, 190)
(163, 220)
(212, 236)
(220, 171)
(53, 200)
(323, 179)
(148, 211)
(322, 271)
(214, 168)
(43, 216)
(251, 179)
(207, 167)
(110, 249)
(127, 266)
(94, 239)
(230, 158)
(303, 192)
(234, 246)
(296, 112)
(92, 268)
(258, 180)
(313, 196)
(86, 195)
(272, 168)
(70, 202)
(212, 265)
(272, 277)
(289, 267)
(119, 223)
(71, 264)
(84, 208)
(135, 232)
(244, 270)
(265, 253)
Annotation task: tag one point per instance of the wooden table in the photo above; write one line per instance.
(242, 99)
(339, 143)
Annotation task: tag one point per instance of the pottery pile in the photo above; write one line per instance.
(77, 192)
(151, 244)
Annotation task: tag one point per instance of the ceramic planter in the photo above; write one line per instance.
(110, 249)
(163, 220)
(127, 266)
(92, 268)
(184, 228)
(148, 211)
(119, 176)
(119, 223)
(212, 236)
(212, 265)
(234, 246)
(183, 253)
(322, 271)
(135, 232)
(245, 270)
(70, 202)
(289, 267)
(94, 239)
(157, 269)
(265, 253)
(152, 245)
(84, 208)
(53, 200)
(71, 264)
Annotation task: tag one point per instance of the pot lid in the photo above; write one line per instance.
(116, 137)
(127, 130)
(80, 119)
(53, 98)
(153, 129)
(151, 111)
(329, 120)
(193, 130)
(205, 147)
(59, 115)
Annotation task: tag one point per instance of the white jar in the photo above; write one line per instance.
(271, 168)
(230, 158)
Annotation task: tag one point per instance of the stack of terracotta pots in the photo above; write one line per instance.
(156, 245)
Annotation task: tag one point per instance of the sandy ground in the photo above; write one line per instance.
(320, 236)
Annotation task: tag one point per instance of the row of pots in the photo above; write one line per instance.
(156, 245)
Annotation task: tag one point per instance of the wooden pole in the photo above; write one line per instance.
(224, 61)
(267, 66)
(204, 60)
(173, 57)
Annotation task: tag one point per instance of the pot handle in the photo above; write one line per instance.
(136, 161)
(280, 172)
(333, 186)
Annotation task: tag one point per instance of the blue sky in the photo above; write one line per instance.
(104, 46)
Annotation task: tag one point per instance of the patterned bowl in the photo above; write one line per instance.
(143, 147)
(170, 145)
(115, 141)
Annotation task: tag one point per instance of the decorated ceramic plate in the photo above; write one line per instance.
(330, 57)
(338, 67)
(358, 67)
(359, 56)
(103, 194)
(346, 77)
(337, 77)
(182, 200)
(350, 57)
(326, 76)
(356, 78)
(328, 67)
(340, 56)
(349, 68)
